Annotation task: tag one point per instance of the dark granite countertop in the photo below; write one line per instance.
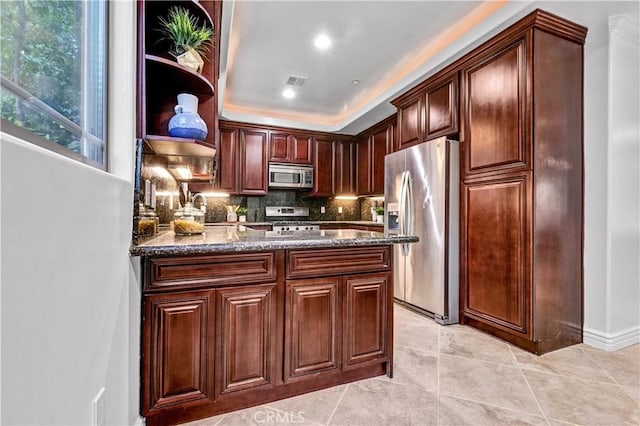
(237, 238)
(344, 223)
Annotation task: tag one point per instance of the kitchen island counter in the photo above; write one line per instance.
(240, 238)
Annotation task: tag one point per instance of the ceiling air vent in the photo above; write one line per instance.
(296, 81)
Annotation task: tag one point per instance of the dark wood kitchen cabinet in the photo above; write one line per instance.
(374, 143)
(178, 332)
(245, 339)
(290, 148)
(428, 111)
(522, 192)
(343, 168)
(366, 319)
(243, 161)
(323, 176)
(226, 331)
(312, 318)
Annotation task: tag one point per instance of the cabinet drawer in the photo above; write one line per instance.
(314, 263)
(197, 271)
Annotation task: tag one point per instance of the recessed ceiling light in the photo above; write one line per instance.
(288, 93)
(322, 41)
(355, 82)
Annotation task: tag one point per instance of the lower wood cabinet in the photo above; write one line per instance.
(177, 344)
(312, 313)
(496, 247)
(366, 319)
(245, 338)
(217, 338)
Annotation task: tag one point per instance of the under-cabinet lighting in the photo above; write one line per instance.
(161, 172)
(215, 194)
(381, 198)
(183, 172)
(346, 197)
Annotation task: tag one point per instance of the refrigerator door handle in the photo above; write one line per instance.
(405, 203)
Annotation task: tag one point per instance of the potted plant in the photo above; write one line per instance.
(242, 214)
(380, 214)
(190, 41)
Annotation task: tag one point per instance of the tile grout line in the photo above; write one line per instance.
(221, 419)
(615, 381)
(338, 403)
(535, 398)
(512, 410)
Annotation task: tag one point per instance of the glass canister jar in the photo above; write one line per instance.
(188, 220)
(147, 221)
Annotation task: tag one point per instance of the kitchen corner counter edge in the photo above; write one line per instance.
(238, 238)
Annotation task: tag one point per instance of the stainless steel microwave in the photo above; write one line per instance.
(290, 176)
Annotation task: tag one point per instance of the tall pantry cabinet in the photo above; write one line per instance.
(522, 184)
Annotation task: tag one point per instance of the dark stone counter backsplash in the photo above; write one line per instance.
(359, 209)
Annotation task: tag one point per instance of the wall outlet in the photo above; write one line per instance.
(340, 210)
(97, 409)
(323, 209)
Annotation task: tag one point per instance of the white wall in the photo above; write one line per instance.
(69, 296)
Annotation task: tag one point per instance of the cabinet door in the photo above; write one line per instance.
(279, 148)
(365, 319)
(410, 122)
(228, 160)
(343, 168)
(300, 149)
(177, 349)
(496, 243)
(253, 165)
(246, 338)
(311, 327)
(381, 143)
(363, 167)
(497, 102)
(322, 168)
(441, 108)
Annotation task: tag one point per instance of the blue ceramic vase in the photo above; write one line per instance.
(187, 123)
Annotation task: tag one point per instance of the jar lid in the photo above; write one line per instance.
(145, 211)
(188, 210)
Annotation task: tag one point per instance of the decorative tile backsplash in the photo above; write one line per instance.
(217, 207)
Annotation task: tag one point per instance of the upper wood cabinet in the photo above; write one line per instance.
(411, 122)
(374, 144)
(160, 78)
(323, 177)
(290, 148)
(343, 168)
(428, 111)
(496, 106)
(243, 164)
(441, 107)
(253, 167)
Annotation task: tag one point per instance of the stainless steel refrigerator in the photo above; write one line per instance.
(421, 194)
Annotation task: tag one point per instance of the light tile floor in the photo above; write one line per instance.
(456, 375)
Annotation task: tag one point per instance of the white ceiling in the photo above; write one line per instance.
(386, 45)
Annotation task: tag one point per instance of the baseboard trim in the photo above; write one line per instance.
(611, 341)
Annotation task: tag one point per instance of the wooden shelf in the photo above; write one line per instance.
(166, 72)
(168, 145)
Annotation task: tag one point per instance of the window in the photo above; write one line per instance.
(53, 74)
